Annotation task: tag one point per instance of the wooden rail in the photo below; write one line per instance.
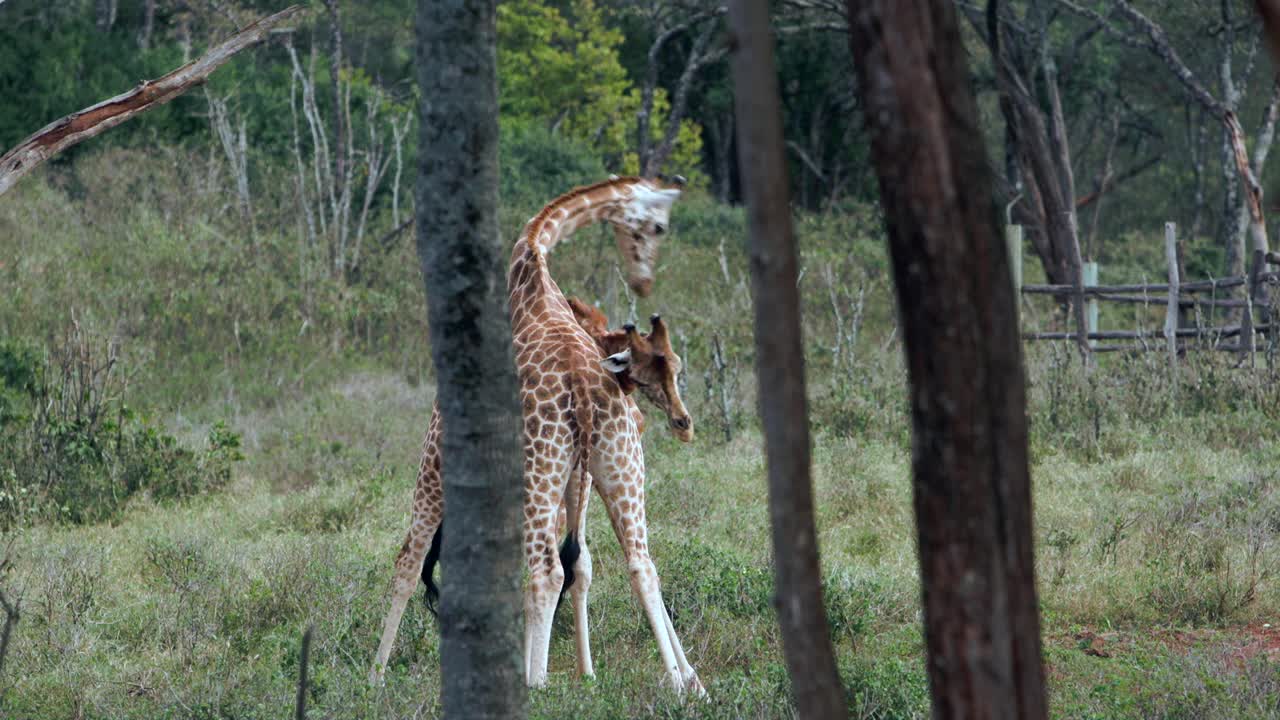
(1172, 295)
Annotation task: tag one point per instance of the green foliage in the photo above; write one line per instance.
(538, 164)
(73, 451)
(48, 70)
(562, 70)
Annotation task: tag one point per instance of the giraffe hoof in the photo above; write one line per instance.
(694, 686)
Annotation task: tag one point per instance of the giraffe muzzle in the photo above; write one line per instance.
(683, 428)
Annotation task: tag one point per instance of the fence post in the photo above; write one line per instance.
(1013, 238)
(1251, 294)
(1091, 305)
(1171, 310)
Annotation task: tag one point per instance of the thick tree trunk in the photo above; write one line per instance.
(780, 365)
(462, 261)
(964, 355)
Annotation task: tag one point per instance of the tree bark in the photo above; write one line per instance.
(461, 254)
(79, 126)
(1042, 151)
(780, 365)
(960, 333)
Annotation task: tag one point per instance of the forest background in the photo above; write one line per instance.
(213, 367)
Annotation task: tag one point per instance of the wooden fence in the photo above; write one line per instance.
(1254, 305)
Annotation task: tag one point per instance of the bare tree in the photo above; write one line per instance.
(458, 243)
(1128, 25)
(80, 126)
(780, 365)
(672, 20)
(341, 108)
(960, 335)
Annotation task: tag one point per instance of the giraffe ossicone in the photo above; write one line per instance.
(581, 427)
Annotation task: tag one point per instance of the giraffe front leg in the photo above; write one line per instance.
(621, 484)
(582, 584)
(575, 558)
(626, 513)
(688, 676)
(644, 583)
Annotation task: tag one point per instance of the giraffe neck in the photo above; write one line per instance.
(528, 278)
(583, 206)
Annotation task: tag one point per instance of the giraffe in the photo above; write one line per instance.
(575, 416)
(640, 361)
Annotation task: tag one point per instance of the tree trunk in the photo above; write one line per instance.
(780, 365)
(462, 262)
(1040, 157)
(964, 356)
(340, 137)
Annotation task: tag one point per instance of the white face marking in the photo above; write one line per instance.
(617, 362)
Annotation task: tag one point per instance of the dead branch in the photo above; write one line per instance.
(1114, 180)
(79, 126)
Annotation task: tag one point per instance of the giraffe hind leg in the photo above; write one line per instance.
(408, 567)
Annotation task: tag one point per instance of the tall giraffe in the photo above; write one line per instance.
(576, 415)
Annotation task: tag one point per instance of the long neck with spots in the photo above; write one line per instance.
(575, 209)
(528, 277)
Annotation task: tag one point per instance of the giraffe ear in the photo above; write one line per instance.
(617, 362)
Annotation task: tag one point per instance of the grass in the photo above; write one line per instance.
(196, 609)
(1157, 494)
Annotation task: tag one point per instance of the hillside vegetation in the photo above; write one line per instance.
(257, 447)
(215, 378)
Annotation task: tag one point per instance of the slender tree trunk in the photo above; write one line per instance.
(148, 24)
(105, 14)
(964, 356)
(462, 261)
(340, 134)
(780, 365)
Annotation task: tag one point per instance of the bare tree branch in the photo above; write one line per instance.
(1112, 180)
(1157, 42)
(644, 116)
(79, 126)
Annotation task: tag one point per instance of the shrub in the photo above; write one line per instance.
(73, 450)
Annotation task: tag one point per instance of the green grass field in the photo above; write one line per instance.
(1157, 492)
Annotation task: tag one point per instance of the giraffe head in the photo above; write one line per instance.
(644, 361)
(640, 224)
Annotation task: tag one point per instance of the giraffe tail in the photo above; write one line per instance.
(570, 550)
(432, 595)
